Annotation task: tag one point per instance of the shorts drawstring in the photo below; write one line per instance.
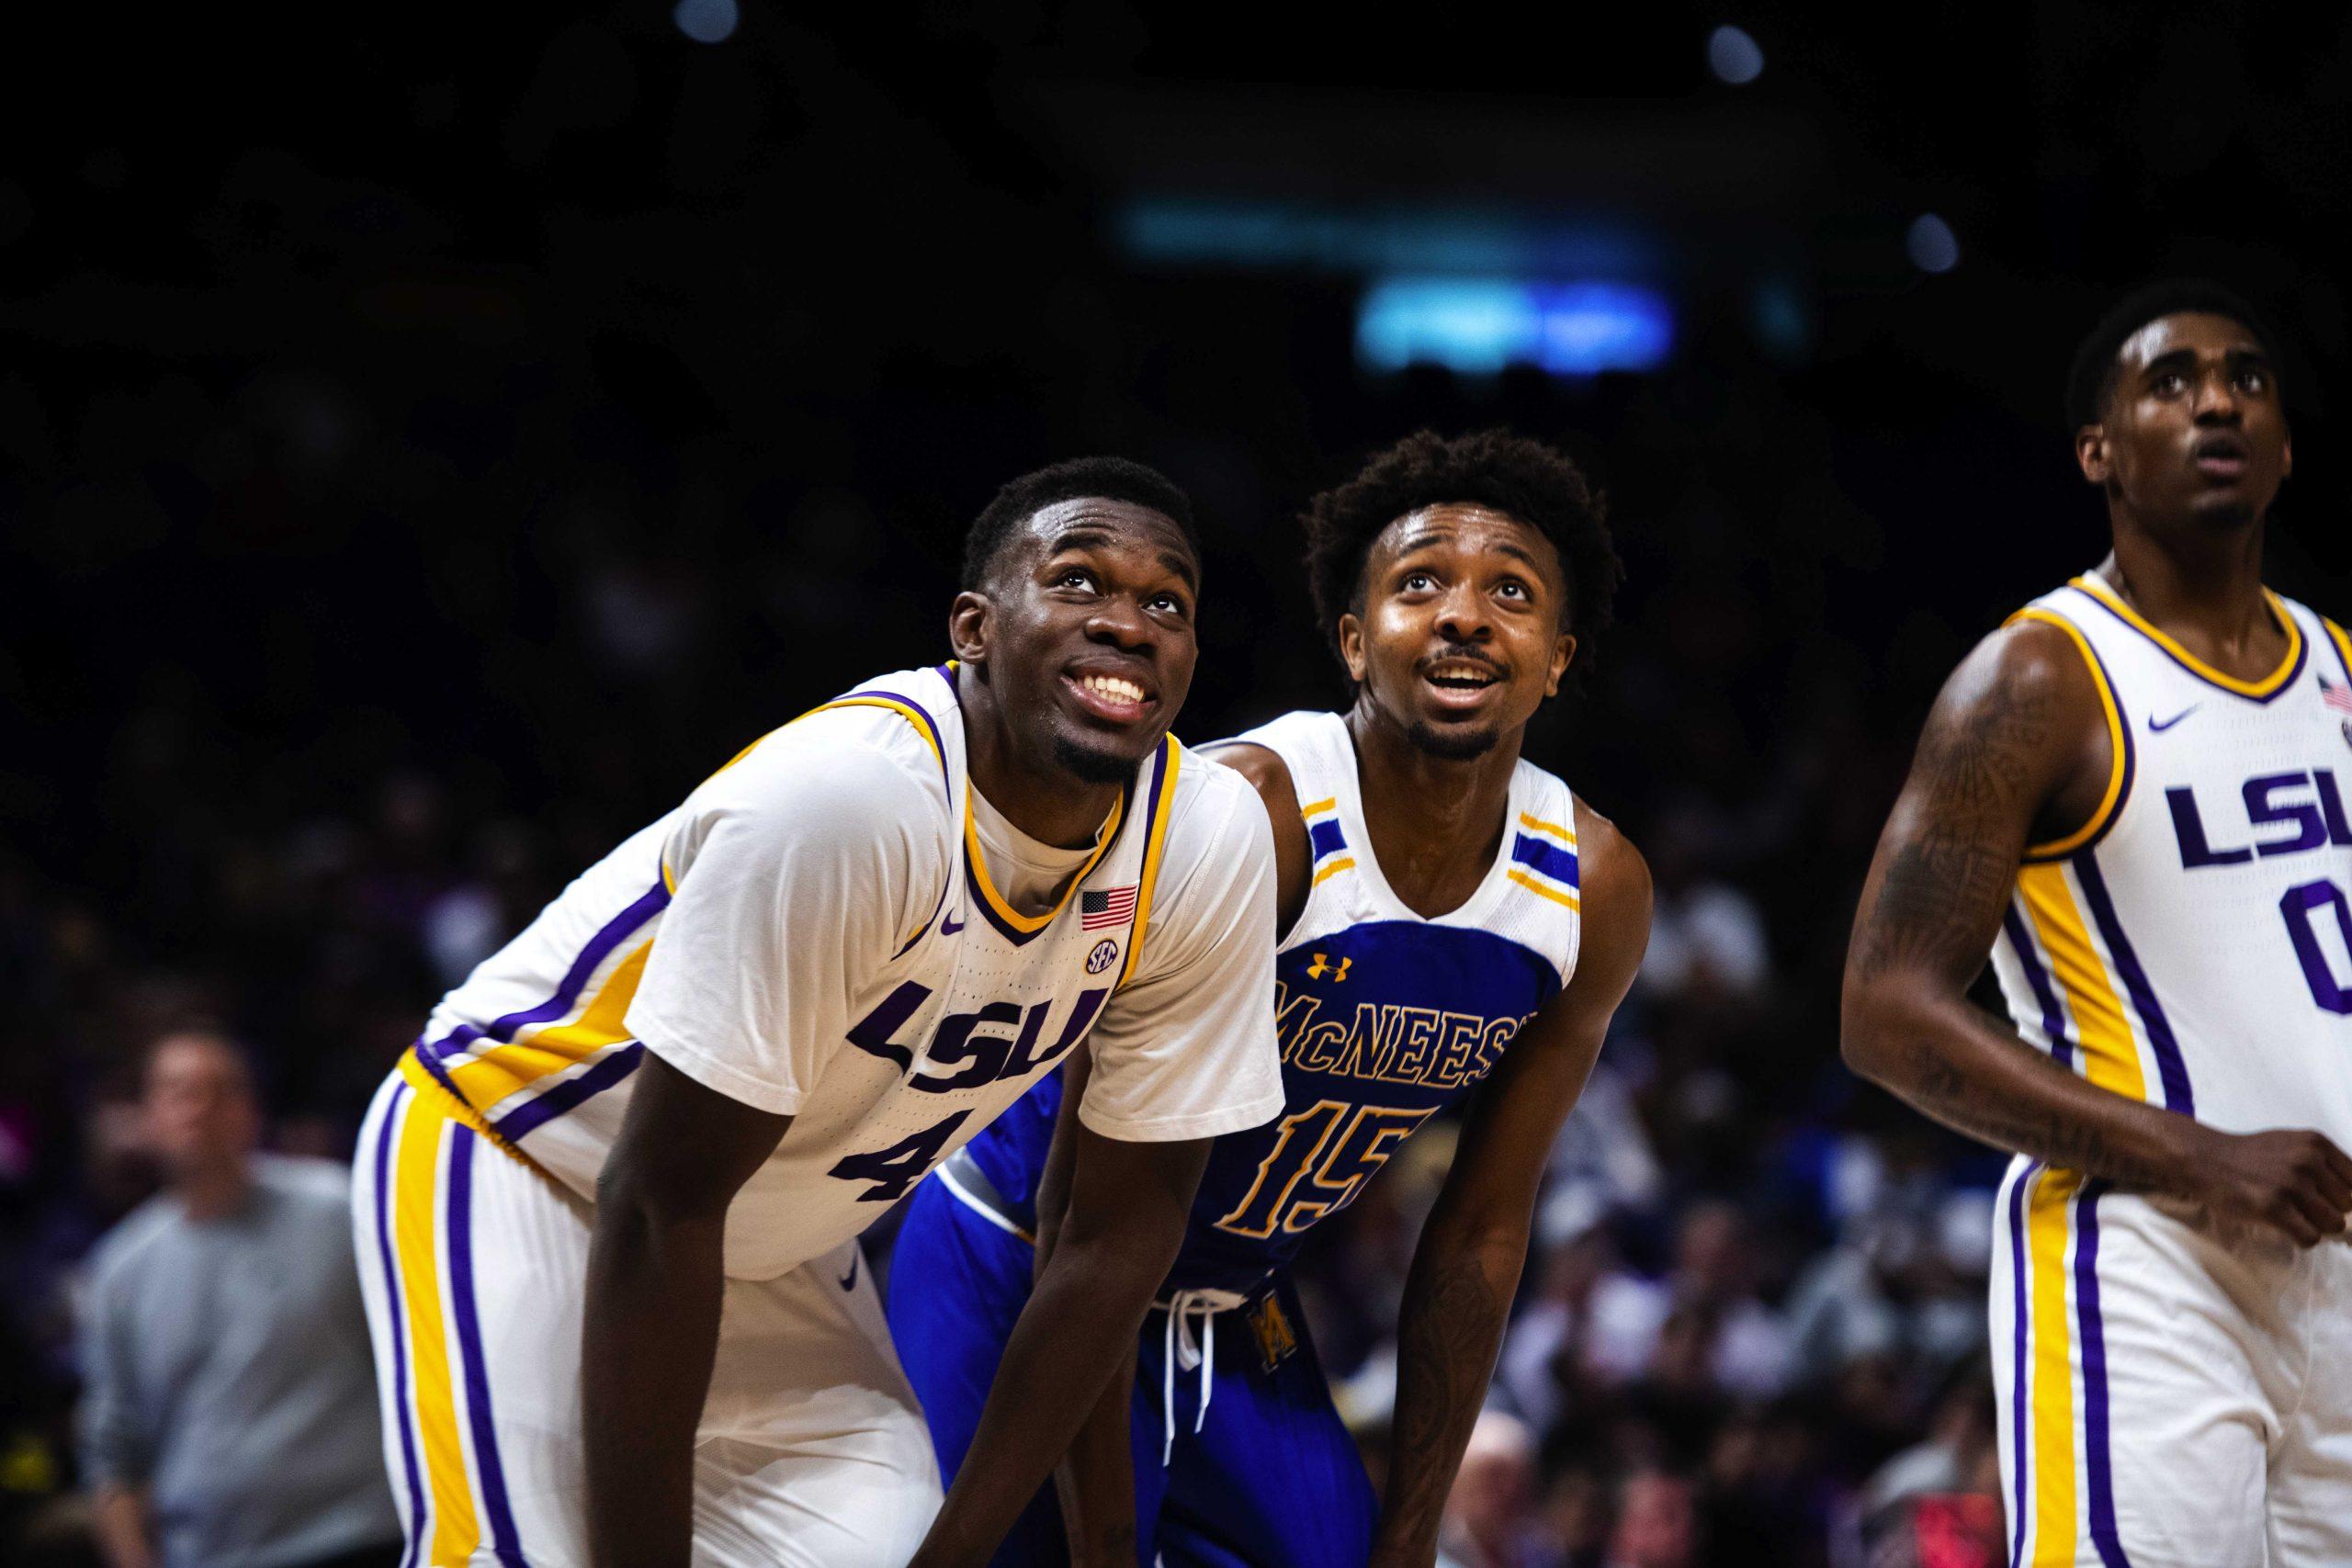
(1178, 1348)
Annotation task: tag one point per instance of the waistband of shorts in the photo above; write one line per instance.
(969, 1185)
(429, 1085)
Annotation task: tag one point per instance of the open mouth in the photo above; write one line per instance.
(2221, 459)
(1460, 681)
(1114, 699)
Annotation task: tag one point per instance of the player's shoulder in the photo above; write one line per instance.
(864, 754)
(2331, 627)
(1213, 802)
(2039, 657)
(1613, 873)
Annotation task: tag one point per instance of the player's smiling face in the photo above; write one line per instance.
(2194, 427)
(1088, 637)
(1462, 633)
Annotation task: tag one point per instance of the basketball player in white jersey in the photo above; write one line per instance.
(608, 1206)
(2132, 798)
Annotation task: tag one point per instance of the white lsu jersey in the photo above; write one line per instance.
(2191, 945)
(815, 932)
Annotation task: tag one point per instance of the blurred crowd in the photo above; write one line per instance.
(341, 637)
(378, 673)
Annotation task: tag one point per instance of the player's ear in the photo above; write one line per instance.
(968, 626)
(1351, 646)
(1564, 653)
(2090, 451)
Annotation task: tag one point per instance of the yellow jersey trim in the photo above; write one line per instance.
(1162, 813)
(2267, 685)
(1567, 835)
(1568, 900)
(2119, 741)
(1345, 862)
(1103, 838)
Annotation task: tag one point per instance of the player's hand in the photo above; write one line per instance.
(2293, 1180)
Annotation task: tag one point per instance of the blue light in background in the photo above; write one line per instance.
(706, 21)
(1419, 241)
(1734, 56)
(1478, 326)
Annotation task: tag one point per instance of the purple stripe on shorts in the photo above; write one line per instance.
(416, 1521)
(461, 1291)
(600, 947)
(2098, 1472)
(2018, 1381)
(2053, 1018)
(2169, 1064)
(536, 1112)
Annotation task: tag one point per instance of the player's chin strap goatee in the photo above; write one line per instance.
(1178, 1347)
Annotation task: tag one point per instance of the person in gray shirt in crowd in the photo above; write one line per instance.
(229, 1416)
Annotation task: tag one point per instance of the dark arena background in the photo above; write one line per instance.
(431, 442)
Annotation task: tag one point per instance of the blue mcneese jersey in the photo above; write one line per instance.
(1384, 1018)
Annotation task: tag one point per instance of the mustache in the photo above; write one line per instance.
(1459, 653)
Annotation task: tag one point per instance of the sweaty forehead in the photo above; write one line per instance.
(1470, 527)
(2200, 331)
(1100, 523)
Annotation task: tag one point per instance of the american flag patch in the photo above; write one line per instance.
(1113, 907)
(2338, 698)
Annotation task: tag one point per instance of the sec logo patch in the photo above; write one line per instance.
(1100, 959)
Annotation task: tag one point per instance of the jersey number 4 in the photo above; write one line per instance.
(1321, 1157)
(899, 1167)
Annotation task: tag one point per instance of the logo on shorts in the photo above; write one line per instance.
(1100, 959)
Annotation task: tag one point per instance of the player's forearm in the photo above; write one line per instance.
(1097, 1478)
(655, 1288)
(1077, 1329)
(1952, 1061)
(1449, 1331)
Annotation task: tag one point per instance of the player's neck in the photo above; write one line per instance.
(1037, 795)
(1435, 821)
(2206, 583)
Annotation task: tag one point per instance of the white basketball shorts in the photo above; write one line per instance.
(2173, 1393)
(812, 1451)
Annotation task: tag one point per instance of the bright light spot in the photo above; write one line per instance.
(1479, 326)
(1733, 56)
(706, 21)
(1933, 246)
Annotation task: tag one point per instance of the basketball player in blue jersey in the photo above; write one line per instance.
(2132, 796)
(1455, 924)
(608, 1207)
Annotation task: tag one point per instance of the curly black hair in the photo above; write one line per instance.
(1500, 468)
(2090, 379)
(1103, 479)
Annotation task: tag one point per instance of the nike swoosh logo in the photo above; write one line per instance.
(849, 1281)
(2155, 728)
(951, 925)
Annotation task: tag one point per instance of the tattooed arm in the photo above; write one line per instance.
(2017, 750)
(1466, 1266)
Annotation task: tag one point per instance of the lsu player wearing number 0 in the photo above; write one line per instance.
(1454, 923)
(2133, 796)
(608, 1207)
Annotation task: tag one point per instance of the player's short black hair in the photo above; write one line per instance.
(1529, 481)
(1106, 479)
(2092, 376)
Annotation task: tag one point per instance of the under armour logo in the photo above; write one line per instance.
(1323, 966)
